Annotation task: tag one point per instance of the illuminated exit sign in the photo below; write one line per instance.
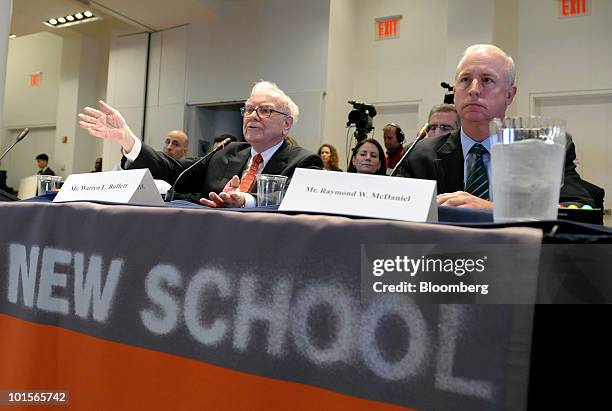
(387, 27)
(574, 8)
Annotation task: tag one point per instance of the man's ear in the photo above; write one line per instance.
(288, 124)
(510, 95)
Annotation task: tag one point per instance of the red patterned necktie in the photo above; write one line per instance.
(249, 177)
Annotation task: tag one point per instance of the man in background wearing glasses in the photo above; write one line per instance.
(443, 119)
(227, 178)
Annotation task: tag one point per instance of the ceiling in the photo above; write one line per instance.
(124, 16)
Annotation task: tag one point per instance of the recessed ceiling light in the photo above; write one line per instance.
(61, 20)
(52, 21)
(12, 36)
(88, 14)
(70, 18)
(79, 16)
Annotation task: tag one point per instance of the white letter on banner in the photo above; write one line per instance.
(340, 309)
(91, 290)
(414, 362)
(18, 264)
(450, 322)
(49, 279)
(275, 313)
(203, 279)
(163, 318)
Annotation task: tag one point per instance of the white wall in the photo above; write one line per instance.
(78, 87)
(284, 41)
(32, 106)
(565, 70)
(563, 54)
(166, 85)
(340, 75)
(126, 87)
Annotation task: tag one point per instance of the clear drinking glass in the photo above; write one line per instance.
(48, 184)
(270, 190)
(527, 161)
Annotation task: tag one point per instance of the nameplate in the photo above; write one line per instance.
(124, 187)
(362, 195)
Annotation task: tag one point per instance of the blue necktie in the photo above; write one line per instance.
(478, 181)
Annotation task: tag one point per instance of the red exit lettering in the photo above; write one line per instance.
(571, 8)
(387, 28)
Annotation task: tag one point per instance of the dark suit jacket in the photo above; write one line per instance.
(46, 172)
(441, 158)
(213, 174)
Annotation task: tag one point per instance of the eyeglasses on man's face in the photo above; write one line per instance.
(442, 127)
(262, 111)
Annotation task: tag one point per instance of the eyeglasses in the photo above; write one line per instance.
(262, 111)
(442, 127)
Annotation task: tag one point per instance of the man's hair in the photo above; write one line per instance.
(445, 108)
(286, 104)
(222, 137)
(510, 67)
(42, 156)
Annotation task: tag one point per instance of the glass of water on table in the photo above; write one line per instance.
(527, 162)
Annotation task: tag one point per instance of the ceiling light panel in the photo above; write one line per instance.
(72, 19)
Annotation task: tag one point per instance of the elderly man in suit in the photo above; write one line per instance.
(484, 88)
(228, 177)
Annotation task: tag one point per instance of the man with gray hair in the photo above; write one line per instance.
(443, 119)
(228, 177)
(460, 162)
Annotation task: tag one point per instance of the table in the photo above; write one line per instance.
(144, 307)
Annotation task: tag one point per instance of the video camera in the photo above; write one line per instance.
(361, 117)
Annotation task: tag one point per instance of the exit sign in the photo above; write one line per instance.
(574, 8)
(387, 27)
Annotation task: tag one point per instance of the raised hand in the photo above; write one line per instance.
(107, 123)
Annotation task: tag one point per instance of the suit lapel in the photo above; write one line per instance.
(279, 160)
(449, 165)
(237, 162)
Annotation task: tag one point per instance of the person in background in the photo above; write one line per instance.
(97, 165)
(368, 158)
(329, 155)
(43, 164)
(393, 138)
(176, 144)
(443, 119)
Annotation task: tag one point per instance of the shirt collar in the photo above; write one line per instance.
(467, 143)
(268, 153)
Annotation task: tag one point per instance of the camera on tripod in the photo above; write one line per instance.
(362, 118)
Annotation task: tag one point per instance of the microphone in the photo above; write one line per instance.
(170, 193)
(20, 137)
(420, 136)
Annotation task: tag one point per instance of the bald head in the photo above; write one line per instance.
(176, 144)
(484, 88)
(491, 50)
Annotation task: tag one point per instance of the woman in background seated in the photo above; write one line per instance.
(329, 155)
(368, 158)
